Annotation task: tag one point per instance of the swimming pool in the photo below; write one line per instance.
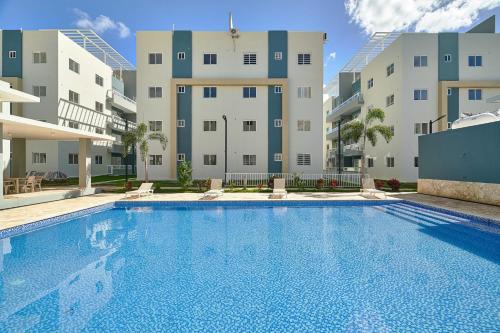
(261, 267)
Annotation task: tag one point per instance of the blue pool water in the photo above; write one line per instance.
(382, 268)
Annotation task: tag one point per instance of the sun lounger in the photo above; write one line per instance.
(215, 189)
(145, 189)
(279, 191)
(368, 187)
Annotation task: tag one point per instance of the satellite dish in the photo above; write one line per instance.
(232, 30)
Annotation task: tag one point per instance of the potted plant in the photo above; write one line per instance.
(320, 183)
(394, 184)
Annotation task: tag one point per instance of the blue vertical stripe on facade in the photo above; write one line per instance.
(448, 44)
(277, 42)
(12, 40)
(453, 105)
(184, 134)
(182, 41)
(274, 141)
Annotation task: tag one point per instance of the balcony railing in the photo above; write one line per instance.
(116, 170)
(356, 98)
(76, 116)
(120, 124)
(122, 102)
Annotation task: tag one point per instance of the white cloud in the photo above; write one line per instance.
(418, 15)
(100, 24)
(332, 56)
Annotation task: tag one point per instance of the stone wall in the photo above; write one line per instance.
(488, 193)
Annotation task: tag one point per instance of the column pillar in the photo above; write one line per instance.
(18, 149)
(1, 161)
(84, 164)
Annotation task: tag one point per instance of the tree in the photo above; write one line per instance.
(185, 173)
(140, 138)
(362, 130)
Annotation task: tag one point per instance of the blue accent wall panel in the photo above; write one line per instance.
(274, 140)
(182, 41)
(448, 44)
(184, 134)
(453, 105)
(278, 42)
(469, 154)
(12, 40)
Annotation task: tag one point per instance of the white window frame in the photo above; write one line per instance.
(390, 161)
(155, 125)
(181, 55)
(99, 105)
(39, 57)
(370, 83)
(278, 123)
(37, 91)
(278, 55)
(390, 70)
(475, 57)
(210, 128)
(12, 54)
(475, 92)
(306, 58)
(303, 159)
(249, 159)
(249, 92)
(181, 89)
(278, 89)
(449, 92)
(74, 66)
(304, 92)
(249, 126)
(419, 94)
(249, 58)
(211, 58)
(303, 125)
(370, 162)
(208, 158)
(99, 80)
(389, 100)
(72, 158)
(155, 158)
(155, 92)
(278, 157)
(210, 92)
(98, 159)
(73, 124)
(155, 58)
(181, 157)
(39, 158)
(419, 57)
(181, 123)
(447, 58)
(73, 97)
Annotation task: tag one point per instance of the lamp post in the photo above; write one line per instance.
(339, 152)
(225, 148)
(432, 122)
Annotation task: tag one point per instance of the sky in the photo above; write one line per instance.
(348, 23)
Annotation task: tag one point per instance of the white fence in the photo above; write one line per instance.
(116, 170)
(347, 180)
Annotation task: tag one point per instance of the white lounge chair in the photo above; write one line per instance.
(368, 187)
(279, 191)
(216, 189)
(144, 189)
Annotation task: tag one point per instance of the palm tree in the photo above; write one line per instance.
(362, 129)
(139, 137)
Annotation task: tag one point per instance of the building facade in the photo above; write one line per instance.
(266, 85)
(417, 78)
(82, 83)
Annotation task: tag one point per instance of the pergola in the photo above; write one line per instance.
(15, 127)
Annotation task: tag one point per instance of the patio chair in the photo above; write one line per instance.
(216, 189)
(279, 191)
(29, 183)
(368, 187)
(38, 182)
(145, 189)
(7, 186)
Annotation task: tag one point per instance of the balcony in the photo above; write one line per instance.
(352, 150)
(121, 102)
(119, 124)
(79, 117)
(345, 108)
(332, 133)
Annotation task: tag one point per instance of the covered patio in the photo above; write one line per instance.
(14, 127)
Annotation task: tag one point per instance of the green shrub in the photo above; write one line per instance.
(185, 174)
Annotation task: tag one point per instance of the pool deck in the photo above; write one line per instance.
(22, 215)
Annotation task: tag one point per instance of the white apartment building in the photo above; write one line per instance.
(82, 82)
(267, 85)
(415, 78)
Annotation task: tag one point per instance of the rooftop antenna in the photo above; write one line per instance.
(235, 33)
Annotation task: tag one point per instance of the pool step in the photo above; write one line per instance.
(426, 213)
(432, 212)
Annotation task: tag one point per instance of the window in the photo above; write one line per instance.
(249, 92)
(209, 125)
(99, 107)
(99, 131)
(370, 162)
(181, 89)
(303, 125)
(475, 94)
(155, 92)
(74, 97)
(155, 159)
(449, 91)
(475, 61)
(250, 59)
(72, 158)
(249, 159)
(155, 125)
(249, 126)
(420, 61)
(304, 92)
(39, 158)
(155, 59)
(181, 123)
(209, 159)
(40, 91)
(181, 55)
(421, 128)
(304, 59)
(73, 124)
(415, 161)
(98, 159)
(39, 58)
(12, 54)
(389, 162)
(278, 89)
(278, 123)
(392, 129)
(278, 157)
(390, 69)
(210, 59)
(99, 80)
(389, 100)
(278, 55)
(447, 57)
(74, 66)
(420, 94)
(209, 92)
(303, 159)
(181, 157)
(370, 83)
